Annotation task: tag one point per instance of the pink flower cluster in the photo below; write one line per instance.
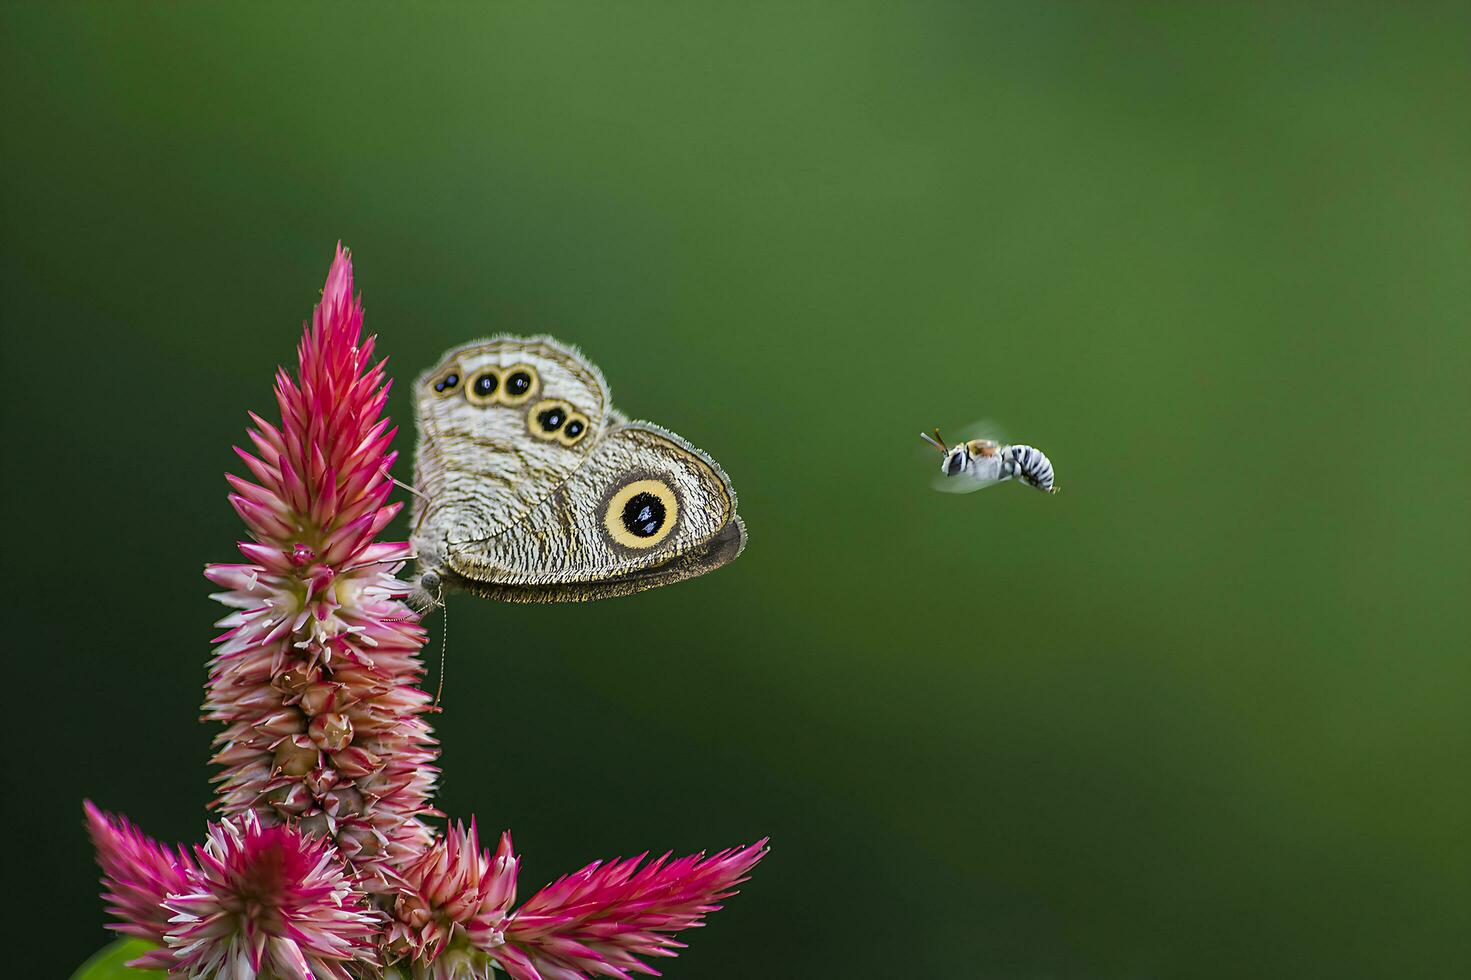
(324, 864)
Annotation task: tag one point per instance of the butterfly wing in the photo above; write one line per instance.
(502, 423)
(645, 509)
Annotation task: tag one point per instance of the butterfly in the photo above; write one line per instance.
(531, 487)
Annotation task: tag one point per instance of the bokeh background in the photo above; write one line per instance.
(1203, 714)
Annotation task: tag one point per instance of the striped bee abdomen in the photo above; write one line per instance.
(1030, 465)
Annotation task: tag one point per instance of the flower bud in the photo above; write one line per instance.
(295, 679)
(359, 841)
(411, 910)
(315, 824)
(321, 780)
(296, 756)
(319, 697)
(290, 801)
(354, 762)
(343, 802)
(331, 732)
(279, 724)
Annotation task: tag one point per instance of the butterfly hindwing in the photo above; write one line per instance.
(644, 500)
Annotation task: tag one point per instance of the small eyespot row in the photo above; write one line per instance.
(555, 419)
(513, 386)
(447, 383)
(574, 431)
(520, 384)
(482, 387)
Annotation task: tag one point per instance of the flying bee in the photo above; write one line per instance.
(978, 463)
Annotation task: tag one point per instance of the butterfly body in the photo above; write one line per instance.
(534, 489)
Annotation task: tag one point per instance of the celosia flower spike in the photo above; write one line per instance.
(453, 904)
(138, 873)
(598, 921)
(269, 902)
(316, 678)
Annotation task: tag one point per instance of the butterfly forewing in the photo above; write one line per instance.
(477, 464)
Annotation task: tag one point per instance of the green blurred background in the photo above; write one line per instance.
(1204, 714)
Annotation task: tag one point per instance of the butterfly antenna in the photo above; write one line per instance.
(935, 440)
(402, 485)
(381, 561)
(443, 643)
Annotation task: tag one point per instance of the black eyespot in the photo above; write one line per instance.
(518, 384)
(643, 515)
(484, 385)
(574, 429)
(551, 420)
(447, 383)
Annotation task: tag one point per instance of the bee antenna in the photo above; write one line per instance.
(935, 440)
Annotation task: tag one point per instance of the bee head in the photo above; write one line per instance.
(954, 458)
(957, 458)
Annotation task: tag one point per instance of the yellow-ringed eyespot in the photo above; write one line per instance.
(448, 382)
(641, 514)
(547, 417)
(519, 385)
(483, 385)
(574, 430)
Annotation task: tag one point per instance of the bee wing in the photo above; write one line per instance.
(980, 429)
(960, 483)
(983, 429)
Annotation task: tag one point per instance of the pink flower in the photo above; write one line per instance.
(454, 900)
(138, 873)
(452, 920)
(268, 901)
(325, 867)
(316, 678)
(598, 921)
